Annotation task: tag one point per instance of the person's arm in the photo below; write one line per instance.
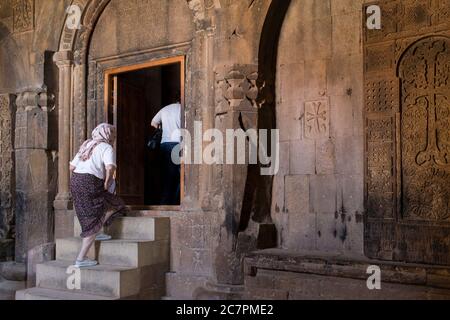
(110, 171)
(156, 122)
(109, 160)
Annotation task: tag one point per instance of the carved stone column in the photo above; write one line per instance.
(64, 61)
(236, 94)
(34, 214)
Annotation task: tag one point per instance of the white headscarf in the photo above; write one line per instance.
(104, 133)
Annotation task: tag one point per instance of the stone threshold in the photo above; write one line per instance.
(346, 267)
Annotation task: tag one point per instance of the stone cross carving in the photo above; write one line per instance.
(317, 119)
(425, 78)
(425, 82)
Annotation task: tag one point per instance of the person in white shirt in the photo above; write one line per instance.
(93, 171)
(170, 119)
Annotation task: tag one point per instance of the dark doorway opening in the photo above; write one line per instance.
(136, 95)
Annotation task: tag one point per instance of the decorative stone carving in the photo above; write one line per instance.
(23, 15)
(199, 11)
(443, 11)
(425, 76)
(236, 88)
(416, 14)
(390, 12)
(407, 112)
(7, 113)
(380, 57)
(382, 95)
(317, 119)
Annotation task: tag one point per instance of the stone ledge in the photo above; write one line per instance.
(345, 267)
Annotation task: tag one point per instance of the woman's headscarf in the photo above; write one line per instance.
(104, 133)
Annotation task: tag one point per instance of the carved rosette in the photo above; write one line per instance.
(425, 77)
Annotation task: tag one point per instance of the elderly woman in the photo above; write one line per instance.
(93, 171)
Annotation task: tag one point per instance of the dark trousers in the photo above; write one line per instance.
(170, 176)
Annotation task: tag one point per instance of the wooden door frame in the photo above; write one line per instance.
(112, 72)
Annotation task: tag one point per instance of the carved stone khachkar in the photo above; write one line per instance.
(407, 111)
(425, 78)
(6, 175)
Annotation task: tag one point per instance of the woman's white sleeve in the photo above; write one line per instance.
(75, 161)
(109, 157)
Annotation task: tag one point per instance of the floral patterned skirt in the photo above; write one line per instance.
(92, 202)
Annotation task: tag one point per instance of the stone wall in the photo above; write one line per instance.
(26, 41)
(318, 199)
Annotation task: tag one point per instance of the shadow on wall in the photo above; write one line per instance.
(258, 189)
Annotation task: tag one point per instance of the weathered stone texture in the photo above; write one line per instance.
(34, 212)
(273, 274)
(7, 175)
(327, 63)
(406, 122)
(321, 48)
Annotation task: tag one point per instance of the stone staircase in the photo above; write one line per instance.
(131, 266)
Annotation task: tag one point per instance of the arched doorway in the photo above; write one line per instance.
(115, 35)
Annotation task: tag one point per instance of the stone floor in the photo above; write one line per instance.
(8, 288)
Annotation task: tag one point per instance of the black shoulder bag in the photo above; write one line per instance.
(155, 140)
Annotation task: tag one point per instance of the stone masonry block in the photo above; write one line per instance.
(297, 194)
(31, 129)
(341, 114)
(291, 82)
(318, 38)
(323, 194)
(325, 156)
(316, 75)
(302, 232)
(302, 157)
(350, 155)
(346, 38)
(330, 232)
(345, 73)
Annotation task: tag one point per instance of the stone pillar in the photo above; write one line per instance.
(64, 61)
(34, 214)
(236, 94)
(7, 116)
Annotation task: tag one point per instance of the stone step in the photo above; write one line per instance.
(50, 294)
(102, 280)
(135, 228)
(126, 253)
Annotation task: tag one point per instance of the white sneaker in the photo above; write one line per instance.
(102, 237)
(85, 263)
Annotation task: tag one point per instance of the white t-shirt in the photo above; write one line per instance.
(170, 117)
(102, 156)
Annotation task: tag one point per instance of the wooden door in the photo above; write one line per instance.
(130, 124)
